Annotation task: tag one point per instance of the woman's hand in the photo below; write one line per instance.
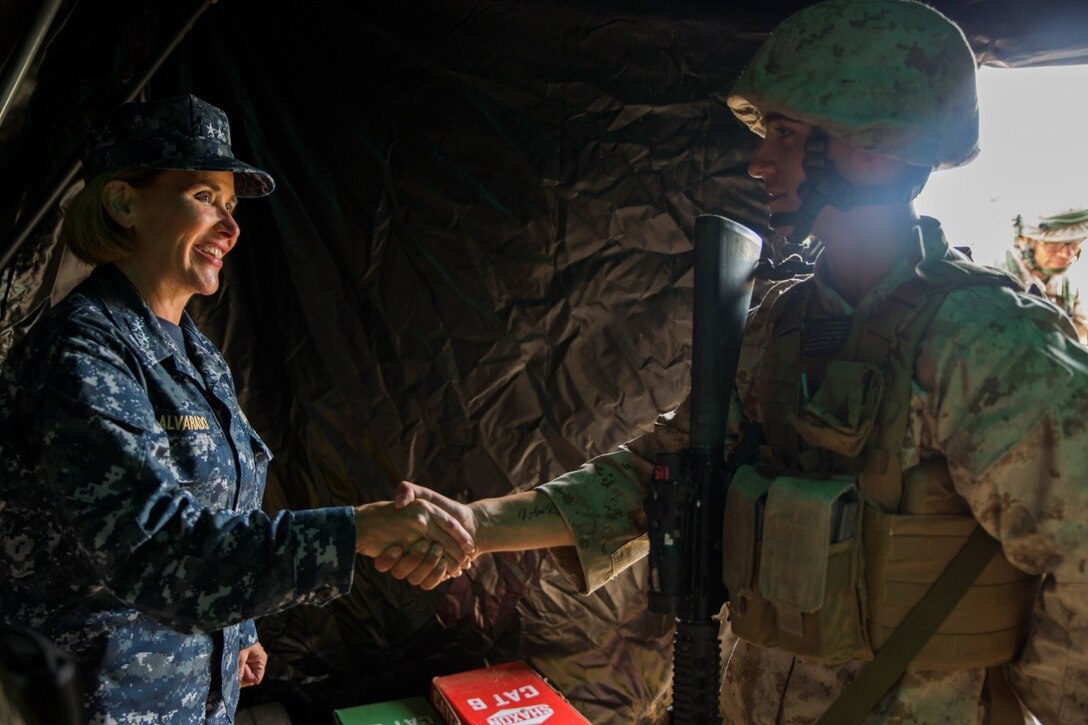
(251, 664)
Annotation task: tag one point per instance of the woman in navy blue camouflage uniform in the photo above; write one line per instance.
(131, 528)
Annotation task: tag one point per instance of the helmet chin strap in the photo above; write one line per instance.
(824, 185)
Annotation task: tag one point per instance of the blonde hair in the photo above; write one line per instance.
(90, 233)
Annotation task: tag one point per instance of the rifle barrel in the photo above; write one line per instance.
(725, 257)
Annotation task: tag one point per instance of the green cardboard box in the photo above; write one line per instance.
(409, 711)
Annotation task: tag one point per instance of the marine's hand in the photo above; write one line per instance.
(251, 664)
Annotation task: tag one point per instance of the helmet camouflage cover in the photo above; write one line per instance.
(894, 77)
(1068, 226)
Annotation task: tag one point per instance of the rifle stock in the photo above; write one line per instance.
(687, 494)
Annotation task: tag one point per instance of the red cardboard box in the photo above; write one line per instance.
(508, 694)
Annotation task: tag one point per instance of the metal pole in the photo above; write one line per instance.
(58, 191)
(25, 59)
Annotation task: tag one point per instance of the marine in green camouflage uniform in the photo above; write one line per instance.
(997, 390)
(1015, 451)
(932, 392)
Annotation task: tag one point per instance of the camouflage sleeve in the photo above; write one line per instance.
(602, 502)
(150, 543)
(247, 634)
(1009, 409)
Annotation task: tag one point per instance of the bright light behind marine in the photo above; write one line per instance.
(1034, 160)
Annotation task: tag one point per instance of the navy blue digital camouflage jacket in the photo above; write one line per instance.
(130, 529)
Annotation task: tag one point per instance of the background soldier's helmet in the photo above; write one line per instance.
(1063, 228)
(894, 77)
(1068, 226)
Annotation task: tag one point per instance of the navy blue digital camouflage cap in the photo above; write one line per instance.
(176, 133)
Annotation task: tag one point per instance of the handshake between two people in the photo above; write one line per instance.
(426, 538)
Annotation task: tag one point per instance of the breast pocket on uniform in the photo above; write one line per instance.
(252, 493)
(196, 447)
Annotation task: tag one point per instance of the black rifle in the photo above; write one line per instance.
(687, 494)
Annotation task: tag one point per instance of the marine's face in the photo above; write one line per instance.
(777, 162)
(1054, 257)
(184, 227)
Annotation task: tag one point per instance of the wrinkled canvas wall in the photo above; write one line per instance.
(475, 274)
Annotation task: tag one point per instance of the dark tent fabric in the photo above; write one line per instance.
(475, 273)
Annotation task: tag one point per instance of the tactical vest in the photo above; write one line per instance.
(829, 543)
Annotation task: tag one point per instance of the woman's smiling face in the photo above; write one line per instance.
(183, 227)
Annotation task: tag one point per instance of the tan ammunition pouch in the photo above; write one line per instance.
(828, 544)
(791, 584)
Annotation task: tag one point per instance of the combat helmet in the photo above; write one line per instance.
(893, 77)
(1066, 227)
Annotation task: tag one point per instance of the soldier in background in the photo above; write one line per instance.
(1043, 256)
(901, 389)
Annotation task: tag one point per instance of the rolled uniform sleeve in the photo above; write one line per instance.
(602, 504)
(1009, 410)
(151, 543)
